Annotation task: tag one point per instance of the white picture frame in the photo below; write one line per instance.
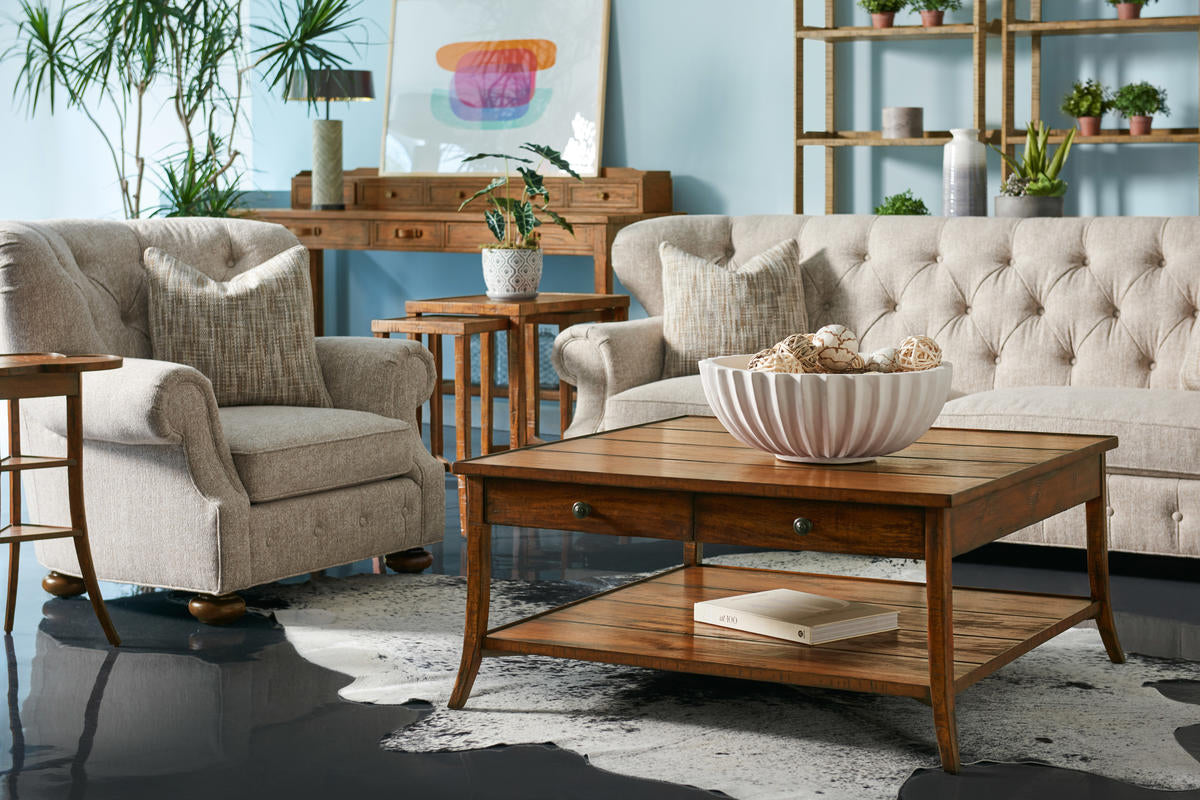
(484, 76)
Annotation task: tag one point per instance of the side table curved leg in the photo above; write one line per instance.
(479, 584)
(83, 550)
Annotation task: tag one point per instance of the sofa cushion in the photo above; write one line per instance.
(251, 335)
(1158, 429)
(672, 397)
(285, 451)
(719, 309)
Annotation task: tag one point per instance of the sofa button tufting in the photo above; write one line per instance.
(1108, 510)
(1116, 313)
(866, 257)
(940, 259)
(1071, 361)
(895, 306)
(1195, 313)
(1162, 262)
(1087, 262)
(966, 309)
(1040, 311)
(362, 521)
(828, 306)
(1177, 516)
(996, 360)
(1151, 365)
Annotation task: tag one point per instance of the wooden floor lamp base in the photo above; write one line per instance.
(415, 559)
(61, 585)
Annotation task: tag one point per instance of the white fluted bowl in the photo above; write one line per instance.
(823, 419)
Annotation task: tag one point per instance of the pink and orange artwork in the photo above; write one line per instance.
(493, 84)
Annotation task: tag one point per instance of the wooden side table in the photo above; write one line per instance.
(49, 375)
(522, 318)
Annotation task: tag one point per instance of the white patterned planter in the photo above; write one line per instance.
(823, 418)
(512, 274)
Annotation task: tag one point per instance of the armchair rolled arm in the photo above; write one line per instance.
(389, 377)
(604, 359)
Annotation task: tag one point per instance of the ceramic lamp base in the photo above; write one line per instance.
(327, 183)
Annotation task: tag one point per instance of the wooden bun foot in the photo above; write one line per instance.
(416, 559)
(217, 610)
(61, 585)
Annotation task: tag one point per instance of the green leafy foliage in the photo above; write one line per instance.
(195, 185)
(882, 6)
(515, 205)
(1141, 99)
(937, 5)
(1038, 171)
(105, 58)
(902, 204)
(1088, 99)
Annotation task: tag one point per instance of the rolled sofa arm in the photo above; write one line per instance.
(389, 377)
(605, 359)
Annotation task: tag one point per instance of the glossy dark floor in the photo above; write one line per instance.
(183, 710)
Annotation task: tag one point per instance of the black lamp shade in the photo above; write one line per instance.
(331, 85)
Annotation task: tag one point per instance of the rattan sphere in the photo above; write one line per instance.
(776, 359)
(918, 353)
(800, 345)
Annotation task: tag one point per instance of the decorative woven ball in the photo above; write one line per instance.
(835, 336)
(918, 353)
(776, 359)
(801, 346)
(882, 361)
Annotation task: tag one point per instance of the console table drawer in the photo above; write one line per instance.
(591, 509)
(319, 233)
(392, 195)
(893, 531)
(607, 196)
(409, 235)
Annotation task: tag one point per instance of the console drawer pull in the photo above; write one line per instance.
(300, 233)
(408, 233)
(802, 526)
(581, 510)
(602, 195)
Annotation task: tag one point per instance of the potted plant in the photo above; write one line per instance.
(512, 268)
(1087, 102)
(902, 204)
(883, 12)
(1139, 102)
(1034, 188)
(933, 12)
(1129, 9)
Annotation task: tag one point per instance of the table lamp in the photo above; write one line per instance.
(329, 85)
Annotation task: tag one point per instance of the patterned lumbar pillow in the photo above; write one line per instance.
(251, 336)
(713, 309)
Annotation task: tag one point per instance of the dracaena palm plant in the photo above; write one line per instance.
(512, 215)
(108, 58)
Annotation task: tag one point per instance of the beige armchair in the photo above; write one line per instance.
(183, 494)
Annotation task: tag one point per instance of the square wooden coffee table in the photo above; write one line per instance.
(688, 480)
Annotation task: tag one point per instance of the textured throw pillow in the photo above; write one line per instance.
(251, 336)
(712, 309)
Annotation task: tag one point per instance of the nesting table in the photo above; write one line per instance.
(688, 480)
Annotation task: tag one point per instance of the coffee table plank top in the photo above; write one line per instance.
(945, 467)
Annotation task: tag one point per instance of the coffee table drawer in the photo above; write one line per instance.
(591, 509)
(895, 531)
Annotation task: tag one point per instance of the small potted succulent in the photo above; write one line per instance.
(933, 12)
(883, 12)
(1034, 188)
(1087, 102)
(902, 204)
(1129, 9)
(1139, 102)
(512, 268)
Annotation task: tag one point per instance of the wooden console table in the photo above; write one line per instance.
(420, 214)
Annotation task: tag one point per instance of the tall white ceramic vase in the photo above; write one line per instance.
(327, 183)
(964, 175)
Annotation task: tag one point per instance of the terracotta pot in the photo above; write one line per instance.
(932, 19)
(1129, 10)
(1140, 125)
(1089, 126)
(885, 20)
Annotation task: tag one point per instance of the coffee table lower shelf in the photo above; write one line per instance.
(649, 624)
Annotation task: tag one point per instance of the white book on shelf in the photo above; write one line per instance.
(796, 616)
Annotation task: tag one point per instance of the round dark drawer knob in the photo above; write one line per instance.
(581, 510)
(802, 526)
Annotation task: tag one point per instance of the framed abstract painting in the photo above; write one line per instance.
(484, 76)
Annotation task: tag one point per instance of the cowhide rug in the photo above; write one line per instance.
(1064, 704)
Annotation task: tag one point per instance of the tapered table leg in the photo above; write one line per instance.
(1097, 561)
(939, 593)
(487, 385)
(462, 418)
(516, 387)
(14, 513)
(479, 580)
(83, 550)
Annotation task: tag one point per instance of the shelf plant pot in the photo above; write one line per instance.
(512, 273)
(1089, 126)
(1129, 10)
(1025, 207)
(1140, 125)
(884, 20)
(932, 19)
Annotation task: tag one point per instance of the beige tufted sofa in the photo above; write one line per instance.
(1069, 325)
(183, 494)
